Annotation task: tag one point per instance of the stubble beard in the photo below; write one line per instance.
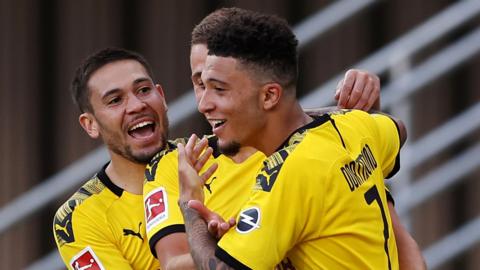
(140, 158)
(230, 149)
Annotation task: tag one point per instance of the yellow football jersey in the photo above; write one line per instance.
(102, 227)
(317, 200)
(225, 192)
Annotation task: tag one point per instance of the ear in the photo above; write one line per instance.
(271, 94)
(160, 91)
(89, 124)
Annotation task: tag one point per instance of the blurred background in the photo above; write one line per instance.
(425, 52)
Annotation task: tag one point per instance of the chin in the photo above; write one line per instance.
(229, 148)
(145, 156)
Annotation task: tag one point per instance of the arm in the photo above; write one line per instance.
(409, 254)
(173, 252)
(202, 244)
(166, 236)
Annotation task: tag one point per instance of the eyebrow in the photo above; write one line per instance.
(213, 80)
(115, 90)
(196, 74)
(140, 80)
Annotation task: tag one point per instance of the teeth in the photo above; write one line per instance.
(217, 123)
(141, 124)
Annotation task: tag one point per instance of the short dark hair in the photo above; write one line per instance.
(263, 42)
(79, 86)
(208, 26)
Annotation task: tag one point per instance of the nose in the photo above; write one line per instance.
(205, 101)
(134, 104)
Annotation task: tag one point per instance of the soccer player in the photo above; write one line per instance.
(318, 199)
(166, 234)
(103, 223)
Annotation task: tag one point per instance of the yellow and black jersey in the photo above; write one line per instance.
(225, 191)
(320, 201)
(102, 227)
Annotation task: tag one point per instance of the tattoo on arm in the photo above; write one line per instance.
(202, 244)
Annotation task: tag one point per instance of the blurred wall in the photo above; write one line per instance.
(42, 42)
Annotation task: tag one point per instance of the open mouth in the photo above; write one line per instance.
(217, 123)
(142, 129)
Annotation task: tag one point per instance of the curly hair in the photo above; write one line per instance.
(79, 86)
(263, 43)
(209, 25)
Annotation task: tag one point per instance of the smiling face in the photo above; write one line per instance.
(231, 103)
(129, 111)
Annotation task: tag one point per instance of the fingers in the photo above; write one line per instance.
(212, 227)
(199, 147)
(361, 102)
(368, 100)
(232, 222)
(346, 88)
(181, 155)
(194, 152)
(371, 93)
(191, 148)
(209, 172)
(374, 101)
(218, 229)
(200, 162)
(359, 90)
(203, 211)
(337, 90)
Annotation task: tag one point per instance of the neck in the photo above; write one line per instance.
(126, 174)
(244, 153)
(281, 123)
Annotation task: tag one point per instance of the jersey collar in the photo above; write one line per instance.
(102, 175)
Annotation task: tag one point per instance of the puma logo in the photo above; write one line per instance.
(131, 232)
(63, 228)
(207, 185)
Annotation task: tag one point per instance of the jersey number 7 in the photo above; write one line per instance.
(373, 195)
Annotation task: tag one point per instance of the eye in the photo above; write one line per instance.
(201, 85)
(198, 83)
(114, 100)
(144, 90)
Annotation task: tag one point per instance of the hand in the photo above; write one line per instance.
(191, 159)
(358, 90)
(217, 226)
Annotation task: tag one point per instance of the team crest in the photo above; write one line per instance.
(249, 220)
(156, 207)
(86, 259)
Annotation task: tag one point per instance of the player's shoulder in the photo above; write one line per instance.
(170, 154)
(62, 221)
(348, 114)
(166, 153)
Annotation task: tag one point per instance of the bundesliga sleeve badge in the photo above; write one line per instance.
(86, 259)
(156, 207)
